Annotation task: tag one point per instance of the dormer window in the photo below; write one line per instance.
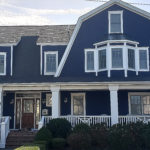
(50, 62)
(2, 63)
(115, 21)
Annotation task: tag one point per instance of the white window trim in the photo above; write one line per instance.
(147, 50)
(4, 54)
(109, 19)
(46, 53)
(85, 61)
(136, 94)
(84, 102)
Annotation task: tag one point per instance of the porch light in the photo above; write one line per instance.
(44, 101)
(65, 100)
(12, 101)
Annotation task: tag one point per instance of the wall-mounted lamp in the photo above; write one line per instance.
(65, 100)
(12, 101)
(43, 101)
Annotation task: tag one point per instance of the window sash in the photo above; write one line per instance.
(117, 58)
(102, 59)
(131, 59)
(2, 64)
(90, 60)
(143, 59)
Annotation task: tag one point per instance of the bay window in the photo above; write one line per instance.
(2, 63)
(102, 59)
(131, 59)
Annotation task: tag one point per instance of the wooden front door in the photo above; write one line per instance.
(28, 113)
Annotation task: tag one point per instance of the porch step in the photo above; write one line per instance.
(19, 138)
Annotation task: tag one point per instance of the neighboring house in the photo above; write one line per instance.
(96, 71)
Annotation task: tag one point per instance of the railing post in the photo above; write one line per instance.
(55, 101)
(3, 135)
(114, 104)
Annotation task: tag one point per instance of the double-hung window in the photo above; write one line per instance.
(143, 59)
(117, 58)
(131, 59)
(115, 21)
(89, 60)
(51, 63)
(2, 63)
(102, 59)
(140, 104)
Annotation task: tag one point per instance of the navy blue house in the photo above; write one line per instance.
(92, 72)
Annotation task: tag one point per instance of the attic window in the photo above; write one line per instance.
(2, 63)
(115, 21)
(50, 62)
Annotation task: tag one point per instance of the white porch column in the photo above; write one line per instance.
(114, 104)
(1, 101)
(55, 101)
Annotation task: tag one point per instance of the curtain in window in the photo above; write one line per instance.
(143, 59)
(90, 60)
(115, 23)
(117, 58)
(51, 63)
(1, 63)
(102, 59)
(131, 58)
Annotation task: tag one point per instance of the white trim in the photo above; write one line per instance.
(50, 52)
(52, 44)
(90, 14)
(11, 64)
(85, 60)
(109, 20)
(84, 102)
(147, 51)
(4, 54)
(41, 59)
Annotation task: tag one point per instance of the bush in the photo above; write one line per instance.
(29, 148)
(84, 128)
(43, 135)
(60, 128)
(79, 141)
(99, 136)
(58, 143)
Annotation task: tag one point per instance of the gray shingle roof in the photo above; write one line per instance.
(47, 34)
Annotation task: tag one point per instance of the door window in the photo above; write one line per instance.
(28, 106)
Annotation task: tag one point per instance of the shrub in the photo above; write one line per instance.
(28, 148)
(99, 136)
(84, 128)
(79, 141)
(60, 128)
(58, 143)
(43, 135)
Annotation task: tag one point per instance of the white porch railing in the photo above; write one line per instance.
(129, 119)
(4, 130)
(74, 120)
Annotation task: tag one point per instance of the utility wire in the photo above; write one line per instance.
(146, 4)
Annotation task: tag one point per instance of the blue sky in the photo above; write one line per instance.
(47, 12)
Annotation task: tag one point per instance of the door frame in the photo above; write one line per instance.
(84, 102)
(21, 99)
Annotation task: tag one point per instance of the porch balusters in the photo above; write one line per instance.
(114, 104)
(55, 101)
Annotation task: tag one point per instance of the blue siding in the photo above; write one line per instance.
(43, 105)
(97, 102)
(95, 29)
(8, 109)
(58, 48)
(7, 50)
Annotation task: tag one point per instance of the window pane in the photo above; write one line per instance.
(78, 106)
(102, 59)
(143, 59)
(117, 59)
(1, 63)
(131, 58)
(51, 63)
(115, 23)
(136, 108)
(146, 105)
(90, 60)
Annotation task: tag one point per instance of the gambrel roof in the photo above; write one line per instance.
(47, 34)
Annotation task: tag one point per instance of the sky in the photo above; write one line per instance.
(48, 12)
